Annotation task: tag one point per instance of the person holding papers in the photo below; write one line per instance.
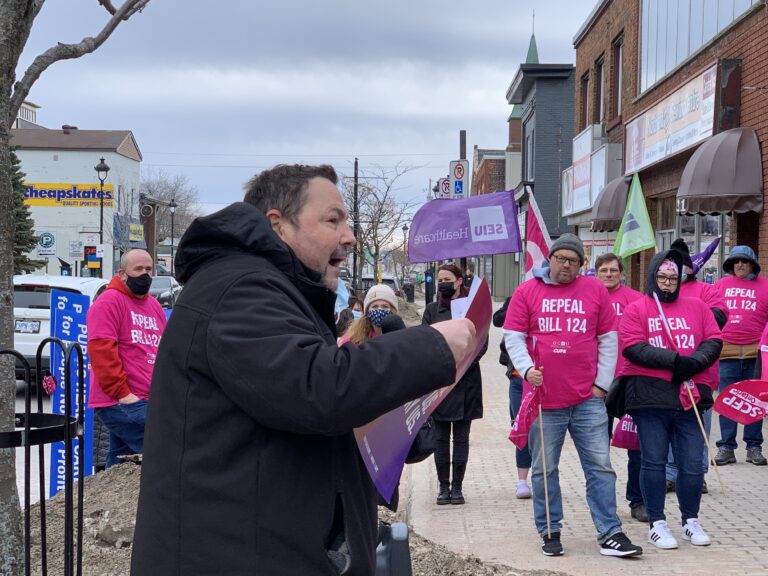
(455, 413)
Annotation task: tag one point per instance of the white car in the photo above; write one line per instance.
(32, 311)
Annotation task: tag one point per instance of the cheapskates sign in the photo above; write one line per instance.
(476, 226)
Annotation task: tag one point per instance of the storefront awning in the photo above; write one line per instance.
(725, 174)
(608, 209)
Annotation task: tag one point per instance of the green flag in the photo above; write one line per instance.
(635, 233)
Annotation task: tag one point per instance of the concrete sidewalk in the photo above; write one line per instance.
(496, 527)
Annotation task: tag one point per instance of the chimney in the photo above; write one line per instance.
(66, 128)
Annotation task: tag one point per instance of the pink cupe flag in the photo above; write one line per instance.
(685, 398)
(537, 240)
(526, 416)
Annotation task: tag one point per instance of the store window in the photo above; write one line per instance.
(699, 231)
(672, 30)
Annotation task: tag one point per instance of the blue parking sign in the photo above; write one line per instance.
(458, 188)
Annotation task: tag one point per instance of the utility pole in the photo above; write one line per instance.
(356, 231)
(463, 156)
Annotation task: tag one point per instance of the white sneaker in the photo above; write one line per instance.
(660, 536)
(695, 533)
(523, 491)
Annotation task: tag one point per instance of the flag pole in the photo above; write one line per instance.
(693, 402)
(544, 468)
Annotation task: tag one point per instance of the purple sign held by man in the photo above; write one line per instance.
(476, 226)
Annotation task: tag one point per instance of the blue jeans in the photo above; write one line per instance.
(125, 423)
(656, 429)
(671, 474)
(522, 457)
(634, 492)
(588, 425)
(732, 371)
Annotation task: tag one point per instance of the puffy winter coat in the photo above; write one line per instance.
(250, 461)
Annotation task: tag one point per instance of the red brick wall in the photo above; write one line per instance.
(490, 176)
(747, 40)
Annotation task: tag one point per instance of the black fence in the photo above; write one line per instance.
(37, 428)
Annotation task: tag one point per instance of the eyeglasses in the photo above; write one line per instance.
(662, 279)
(606, 271)
(563, 260)
(741, 261)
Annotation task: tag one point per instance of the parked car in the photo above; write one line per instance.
(166, 289)
(388, 279)
(32, 311)
(161, 270)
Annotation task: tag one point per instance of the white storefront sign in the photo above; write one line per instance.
(681, 120)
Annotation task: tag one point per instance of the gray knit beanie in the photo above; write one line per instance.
(568, 242)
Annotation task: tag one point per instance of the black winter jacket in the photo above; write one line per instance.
(250, 462)
(649, 392)
(465, 402)
(498, 320)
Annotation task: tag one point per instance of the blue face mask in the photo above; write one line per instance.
(357, 314)
(376, 316)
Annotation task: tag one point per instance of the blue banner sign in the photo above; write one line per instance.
(68, 314)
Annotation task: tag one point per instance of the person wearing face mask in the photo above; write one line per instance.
(658, 354)
(348, 314)
(124, 329)
(746, 295)
(454, 415)
(380, 302)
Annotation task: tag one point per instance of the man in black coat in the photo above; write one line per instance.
(250, 462)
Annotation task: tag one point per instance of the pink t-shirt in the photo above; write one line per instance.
(621, 297)
(763, 351)
(690, 321)
(747, 302)
(137, 325)
(565, 320)
(708, 294)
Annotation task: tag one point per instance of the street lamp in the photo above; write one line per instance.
(101, 172)
(172, 207)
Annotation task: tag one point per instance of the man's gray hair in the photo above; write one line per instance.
(284, 187)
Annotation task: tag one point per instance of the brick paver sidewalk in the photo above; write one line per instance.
(496, 527)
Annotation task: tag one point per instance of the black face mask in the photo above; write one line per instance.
(139, 285)
(446, 290)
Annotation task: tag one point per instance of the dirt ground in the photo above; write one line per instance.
(109, 513)
(110, 500)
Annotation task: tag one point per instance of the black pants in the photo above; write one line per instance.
(460, 441)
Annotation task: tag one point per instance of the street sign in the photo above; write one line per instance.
(76, 249)
(444, 188)
(46, 244)
(459, 178)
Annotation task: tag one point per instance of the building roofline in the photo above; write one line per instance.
(590, 21)
(527, 73)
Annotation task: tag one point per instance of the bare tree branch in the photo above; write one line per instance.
(68, 51)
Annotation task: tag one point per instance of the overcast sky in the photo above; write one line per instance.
(218, 91)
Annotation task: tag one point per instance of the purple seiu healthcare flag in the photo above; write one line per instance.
(701, 258)
(477, 226)
(385, 442)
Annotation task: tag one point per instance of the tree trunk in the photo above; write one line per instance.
(11, 545)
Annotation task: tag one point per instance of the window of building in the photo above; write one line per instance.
(599, 90)
(529, 155)
(618, 76)
(584, 96)
(699, 232)
(673, 30)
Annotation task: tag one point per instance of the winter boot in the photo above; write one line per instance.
(443, 477)
(458, 479)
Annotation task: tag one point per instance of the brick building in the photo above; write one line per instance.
(667, 84)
